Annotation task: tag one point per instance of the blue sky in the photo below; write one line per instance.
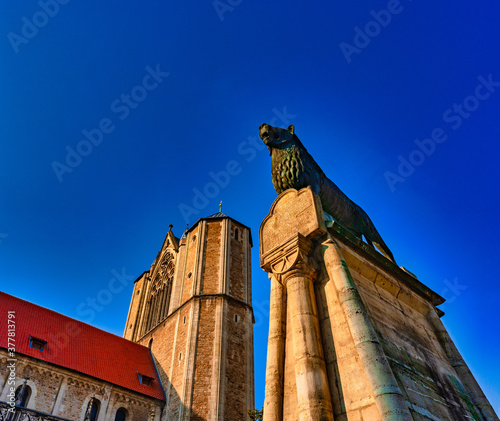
(115, 115)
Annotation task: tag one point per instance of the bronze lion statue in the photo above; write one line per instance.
(294, 168)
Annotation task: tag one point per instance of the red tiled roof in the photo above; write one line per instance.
(79, 346)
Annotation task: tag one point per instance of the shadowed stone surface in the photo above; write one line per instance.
(352, 336)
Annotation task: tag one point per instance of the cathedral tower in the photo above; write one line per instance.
(193, 308)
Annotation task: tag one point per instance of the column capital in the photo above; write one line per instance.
(291, 257)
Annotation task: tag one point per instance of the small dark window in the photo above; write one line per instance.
(184, 319)
(23, 394)
(37, 343)
(180, 356)
(121, 415)
(236, 234)
(145, 380)
(190, 274)
(236, 318)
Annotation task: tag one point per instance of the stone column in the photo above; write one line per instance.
(273, 403)
(388, 396)
(313, 393)
(463, 371)
(292, 262)
(287, 238)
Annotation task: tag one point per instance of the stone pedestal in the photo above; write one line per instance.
(289, 260)
(351, 335)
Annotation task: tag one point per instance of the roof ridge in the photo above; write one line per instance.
(73, 319)
(217, 215)
(84, 348)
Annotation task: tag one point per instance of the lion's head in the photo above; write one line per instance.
(274, 137)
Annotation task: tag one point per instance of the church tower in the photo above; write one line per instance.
(193, 309)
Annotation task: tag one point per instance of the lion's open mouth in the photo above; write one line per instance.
(264, 135)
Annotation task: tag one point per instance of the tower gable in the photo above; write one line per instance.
(202, 336)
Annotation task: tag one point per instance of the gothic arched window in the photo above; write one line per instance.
(167, 274)
(160, 291)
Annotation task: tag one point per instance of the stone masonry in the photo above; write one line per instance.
(203, 343)
(66, 393)
(351, 335)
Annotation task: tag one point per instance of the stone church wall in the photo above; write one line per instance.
(66, 394)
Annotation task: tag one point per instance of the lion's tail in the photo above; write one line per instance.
(384, 249)
(376, 239)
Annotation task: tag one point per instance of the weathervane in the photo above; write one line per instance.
(220, 206)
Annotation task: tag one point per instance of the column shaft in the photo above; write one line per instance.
(313, 393)
(273, 404)
(463, 371)
(388, 396)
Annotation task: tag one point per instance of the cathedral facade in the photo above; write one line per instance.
(193, 309)
(186, 354)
